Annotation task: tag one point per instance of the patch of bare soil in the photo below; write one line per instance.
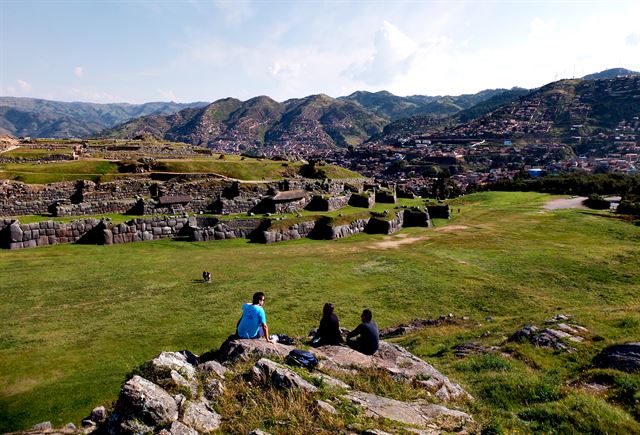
(394, 242)
(451, 228)
(557, 204)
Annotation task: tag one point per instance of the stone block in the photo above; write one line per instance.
(107, 236)
(15, 233)
(30, 244)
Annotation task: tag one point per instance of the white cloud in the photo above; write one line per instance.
(24, 85)
(78, 71)
(633, 39)
(167, 95)
(394, 52)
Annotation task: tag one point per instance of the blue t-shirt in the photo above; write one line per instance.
(253, 317)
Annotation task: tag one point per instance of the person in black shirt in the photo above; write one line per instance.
(329, 330)
(365, 338)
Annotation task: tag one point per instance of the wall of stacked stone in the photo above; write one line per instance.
(17, 199)
(140, 229)
(355, 227)
(291, 206)
(238, 205)
(221, 230)
(293, 232)
(337, 202)
(44, 159)
(94, 208)
(17, 236)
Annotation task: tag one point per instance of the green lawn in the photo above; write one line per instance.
(77, 318)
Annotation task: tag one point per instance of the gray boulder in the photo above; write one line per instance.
(213, 367)
(266, 371)
(167, 361)
(418, 413)
(243, 349)
(548, 338)
(98, 414)
(45, 425)
(178, 428)
(399, 362)
(212, 388)
(323, 406)
(200, 417)
(146, 402)
(624, 357)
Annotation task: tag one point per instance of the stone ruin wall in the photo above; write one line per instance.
(17, 236)
(88, 198)
(14, 235)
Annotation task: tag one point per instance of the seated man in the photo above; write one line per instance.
(365, 337)
(253, 323)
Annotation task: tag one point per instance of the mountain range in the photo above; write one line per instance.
(563, 109)
(56, 119)
(575, 111)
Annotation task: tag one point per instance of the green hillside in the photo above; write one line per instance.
(69, 338)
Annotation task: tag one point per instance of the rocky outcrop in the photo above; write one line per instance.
(554, 336)
(399, 362)
(172, 394)
(242, 349)
(624, 357)
(144, 402)
(175, 393)
(417, 413)
(268, 372)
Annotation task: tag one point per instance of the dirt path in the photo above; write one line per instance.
(394, 242)
(450, 228)
(556, 204)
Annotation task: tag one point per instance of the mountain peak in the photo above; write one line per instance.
(611, 73)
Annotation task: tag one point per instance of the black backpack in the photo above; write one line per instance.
(302, 358)
(285, 339)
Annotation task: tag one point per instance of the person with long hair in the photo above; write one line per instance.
(329, 330)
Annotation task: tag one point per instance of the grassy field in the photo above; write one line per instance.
(105, 170)
(77, 318)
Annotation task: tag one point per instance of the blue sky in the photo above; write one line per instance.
(197, 50)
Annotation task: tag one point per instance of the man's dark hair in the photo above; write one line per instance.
(256, 297)
(367, 315)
